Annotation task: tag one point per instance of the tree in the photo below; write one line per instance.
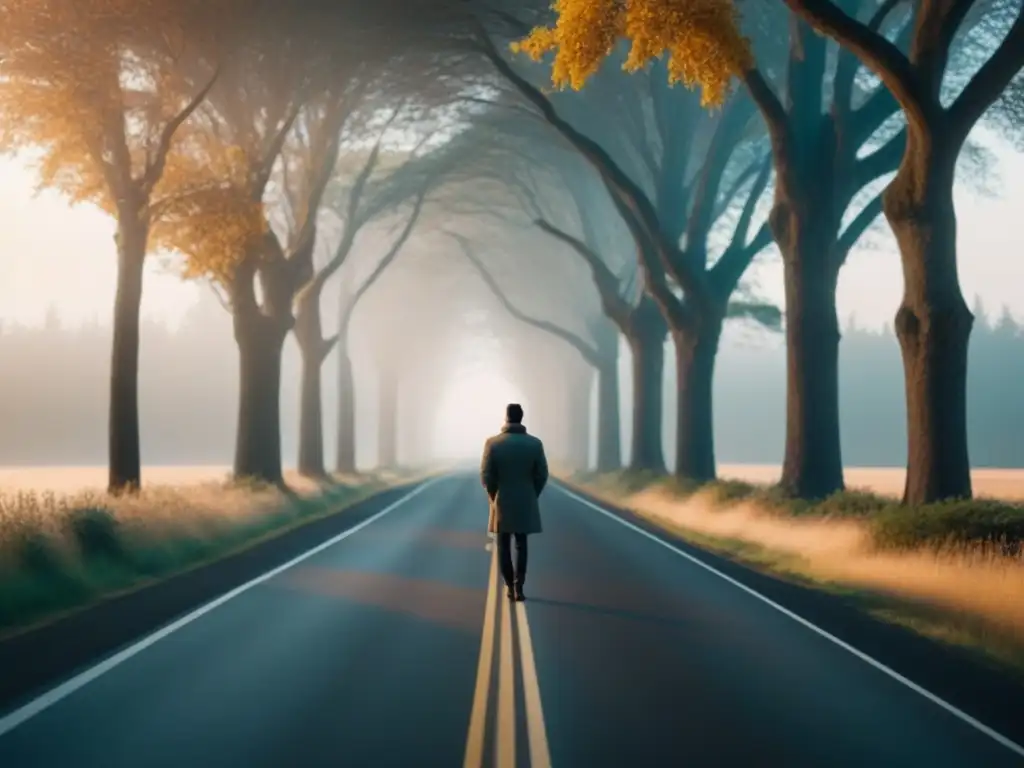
(517, 155)
(308, 164)
(819, 170)
(609, 450)
(97, 91)
(933, 322)
(402, 343)
(284, 91)
(670, 168)
(403, 177)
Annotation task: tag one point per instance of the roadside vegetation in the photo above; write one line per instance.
(952, 570)
(62, 552)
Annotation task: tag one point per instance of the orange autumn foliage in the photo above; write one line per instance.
(206, 212)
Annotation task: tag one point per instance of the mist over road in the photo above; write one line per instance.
(392, 645)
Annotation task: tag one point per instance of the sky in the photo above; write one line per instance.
(53, 255)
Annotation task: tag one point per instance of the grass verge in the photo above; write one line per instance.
(952, 571)
(60, 553)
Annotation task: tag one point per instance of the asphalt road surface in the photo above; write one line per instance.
(392, 646)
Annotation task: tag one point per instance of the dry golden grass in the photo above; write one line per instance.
(69, 480)
(970, 585)
(64, 542)
(977, 579)
(888, 481)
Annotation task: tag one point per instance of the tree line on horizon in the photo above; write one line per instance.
(242, 135)
(187, 417)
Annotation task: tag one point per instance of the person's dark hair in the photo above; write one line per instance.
(514, 413)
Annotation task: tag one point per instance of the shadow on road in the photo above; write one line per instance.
(618, 613)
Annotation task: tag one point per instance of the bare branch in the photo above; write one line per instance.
(884, 58)
(606, 282)
(856, 228)
(589, 353)
(989, 81)
(157, 160)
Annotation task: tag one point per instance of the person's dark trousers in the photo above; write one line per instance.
(513, 579)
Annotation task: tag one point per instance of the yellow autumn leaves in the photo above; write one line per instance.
(204, 209)
(701, 39)
(86, 90)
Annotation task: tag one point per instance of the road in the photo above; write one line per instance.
(391, 646)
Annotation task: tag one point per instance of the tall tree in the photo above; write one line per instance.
(672, 170)
(559, 197)
(664, 162)
(933, 322)
(97, 91)
(308, 163)
(279, 84)
(820, 164)
(380, 186)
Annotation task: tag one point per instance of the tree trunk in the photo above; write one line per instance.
(933, 323)
(309, 335)
(258, 439)
(812, 467)
(647, 346)
(387, 421)
(311, 430)
(696, 350)
(577, 415)
(345, 460)
(609, 435)
(124, 452)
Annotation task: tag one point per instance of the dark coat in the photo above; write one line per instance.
(514, 471)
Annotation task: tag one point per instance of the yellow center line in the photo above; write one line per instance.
(540, 757)
(478, 716)
(505, 743)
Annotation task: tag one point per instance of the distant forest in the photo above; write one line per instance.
(53, 395)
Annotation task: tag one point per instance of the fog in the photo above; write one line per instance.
(438, 234)
(53, 393)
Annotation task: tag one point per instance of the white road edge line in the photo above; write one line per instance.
(505, 736)
(951, 709)
(540, 755)
(12, 720)
(474, 757)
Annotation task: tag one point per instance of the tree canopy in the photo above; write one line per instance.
(701, 38)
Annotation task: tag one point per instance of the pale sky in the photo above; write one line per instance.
(51, 254)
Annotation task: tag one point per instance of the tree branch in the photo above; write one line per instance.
(157, 160)
(856, 228)
(774, 114)
(723, 143)
(989, 82)
(742, 230)
(880, 55)
(353, 222)
(883, 160)
(261, 175)
(589, 353)
(848, 64)
(767, 315)
(632, 198)
(607, 284)
(396, 246)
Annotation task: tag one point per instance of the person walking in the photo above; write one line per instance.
(513, 471)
